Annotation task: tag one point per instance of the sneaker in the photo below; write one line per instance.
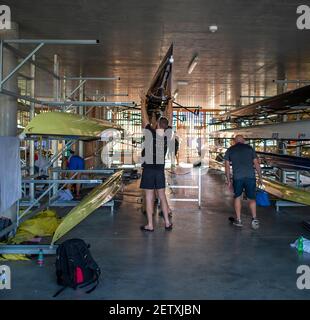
(238, 223)
(255, 223)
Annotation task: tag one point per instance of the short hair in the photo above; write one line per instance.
(163, 123)
(239, 138)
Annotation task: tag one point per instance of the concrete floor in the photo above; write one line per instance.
(204, 257)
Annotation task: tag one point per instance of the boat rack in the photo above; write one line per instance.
(282, 203)
(53, 200)
(63, 103)
(279, 132)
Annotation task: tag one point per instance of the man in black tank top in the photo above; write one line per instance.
(156, 139)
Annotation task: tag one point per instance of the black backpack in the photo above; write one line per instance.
(75, 267)
(4, 223)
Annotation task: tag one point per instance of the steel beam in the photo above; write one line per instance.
(102, 95)
(51, 41)
(93, 78)
(76, 89)
(291, 81)
(65, 181)
(31, 116)
(1, 63)
(22, 63)
(22, 55)
(56, 93)
(87, 103)
(28, 249)
(22, 97)
(255, 97)
(103, 171)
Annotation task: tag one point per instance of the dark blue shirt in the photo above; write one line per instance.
(76, 163)
(241, 157)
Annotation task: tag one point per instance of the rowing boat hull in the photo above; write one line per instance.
(96, 198)
(285, 161)
(285, 192)
(277, 189)
(291, 130)
(298, 99)
(62, 124)
(160, 89)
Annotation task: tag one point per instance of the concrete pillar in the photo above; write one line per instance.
(8, 105)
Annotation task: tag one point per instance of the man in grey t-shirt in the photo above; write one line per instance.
(243, 160)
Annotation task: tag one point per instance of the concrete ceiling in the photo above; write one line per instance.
(257, 41)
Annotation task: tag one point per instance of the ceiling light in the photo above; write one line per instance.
(193, 64)
(213, 28)
(182, 83)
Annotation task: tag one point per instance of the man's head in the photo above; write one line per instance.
(239, 139)
(162, 123)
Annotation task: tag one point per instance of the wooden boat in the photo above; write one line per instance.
(62, 124)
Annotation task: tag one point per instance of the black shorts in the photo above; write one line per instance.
(153, 178)
(245, 184)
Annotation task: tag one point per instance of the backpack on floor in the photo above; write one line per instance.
(75, 267)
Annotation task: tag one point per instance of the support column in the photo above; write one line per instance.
(298, 154)
(31, 116)
(281, 88)
(81, 112)
(8, 105)
(56, 97)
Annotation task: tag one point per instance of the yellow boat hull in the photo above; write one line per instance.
(67, 125)
(96, 198)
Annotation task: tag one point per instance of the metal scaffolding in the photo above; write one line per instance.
(49, 196)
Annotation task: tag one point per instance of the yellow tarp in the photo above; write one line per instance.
(43, 224)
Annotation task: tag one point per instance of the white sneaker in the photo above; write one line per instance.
(255, 223)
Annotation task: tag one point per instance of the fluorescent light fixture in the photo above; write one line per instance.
(182, 82)
(213, 28)
(176, 92)
(193, 64)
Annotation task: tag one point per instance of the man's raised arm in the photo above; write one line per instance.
(169, 112)
(144, 115)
